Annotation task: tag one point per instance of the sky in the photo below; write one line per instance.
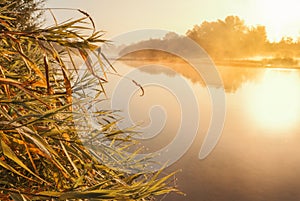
(281, 17)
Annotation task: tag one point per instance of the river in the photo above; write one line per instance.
(257, 155)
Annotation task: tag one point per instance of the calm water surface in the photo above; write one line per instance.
(258, 155)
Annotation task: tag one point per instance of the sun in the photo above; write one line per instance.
(281, 17)
(275, 103)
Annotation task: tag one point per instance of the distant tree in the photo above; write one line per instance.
(255, 41)
(287, 47)
(230, 38)
(171, 36)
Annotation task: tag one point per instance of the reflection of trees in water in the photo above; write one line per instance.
(233, 77)
(167, 67)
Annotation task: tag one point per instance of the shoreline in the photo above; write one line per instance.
(253, 64)
(219, 63)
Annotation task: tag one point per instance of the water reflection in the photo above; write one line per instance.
(257, 156)
(275, 101)
(233, 78)
(273, 98)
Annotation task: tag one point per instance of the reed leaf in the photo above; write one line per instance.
(8, 152)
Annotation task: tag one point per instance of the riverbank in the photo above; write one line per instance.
(284, 62)
(261, 62)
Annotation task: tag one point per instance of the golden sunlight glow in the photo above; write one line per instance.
(280, 17)
(276, 102)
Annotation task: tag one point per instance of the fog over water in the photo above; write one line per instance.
(257, 157)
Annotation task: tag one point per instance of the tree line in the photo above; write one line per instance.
(230, 38)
